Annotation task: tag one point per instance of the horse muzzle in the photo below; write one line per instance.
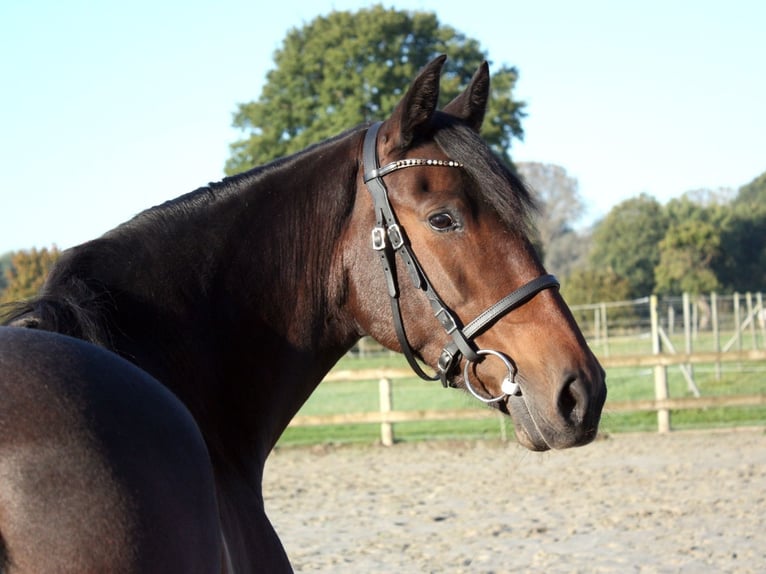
(568, 419)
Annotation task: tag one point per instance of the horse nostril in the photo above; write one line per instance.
(573, 400)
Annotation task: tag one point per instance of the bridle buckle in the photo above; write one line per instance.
(378, 238)
(395, 235)
(447, 320)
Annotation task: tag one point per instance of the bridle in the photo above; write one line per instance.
(388, 238)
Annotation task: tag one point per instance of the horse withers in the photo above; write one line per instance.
(144, 388)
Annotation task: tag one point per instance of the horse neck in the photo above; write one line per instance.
(232, 296)
(283, 291)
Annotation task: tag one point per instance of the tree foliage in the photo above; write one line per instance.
(627, 242)
(686, 254)
(5, 263)
(690, 246)
(27, 273)
(705, 240)
(592, 285)
(753, 195)
(741, 265)
(347, 68)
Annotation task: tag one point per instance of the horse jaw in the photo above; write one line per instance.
(528, 421)
(527, 433)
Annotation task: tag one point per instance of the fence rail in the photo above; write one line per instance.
(663, 355)
(667, 359)
(387, 416)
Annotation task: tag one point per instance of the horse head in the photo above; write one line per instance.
(441, 231)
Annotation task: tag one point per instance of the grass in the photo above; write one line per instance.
(624, 384)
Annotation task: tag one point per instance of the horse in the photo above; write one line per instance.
(146, 384)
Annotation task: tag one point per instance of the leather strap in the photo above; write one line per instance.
(387, 227)
(488, 317)
(509, 303)
(388, 239)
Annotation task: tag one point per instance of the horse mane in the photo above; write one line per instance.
(74, 303)
(496, 183)
(77, 310)
(251, 179)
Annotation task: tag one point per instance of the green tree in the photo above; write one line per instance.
(27, 273)
(5, 263)
(691, 244)
(753, 194)
(627, 242)
(593, 285)
(350, 67)
(741, 265)
(686, 254)
(588, 285)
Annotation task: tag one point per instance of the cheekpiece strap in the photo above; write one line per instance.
(388, 238)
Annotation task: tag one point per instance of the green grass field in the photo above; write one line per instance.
(624, 384)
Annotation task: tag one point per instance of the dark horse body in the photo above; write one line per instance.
(162, 361)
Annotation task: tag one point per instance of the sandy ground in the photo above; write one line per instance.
(685, 502)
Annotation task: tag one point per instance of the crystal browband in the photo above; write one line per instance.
(411, 162)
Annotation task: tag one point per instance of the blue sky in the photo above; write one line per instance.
(107, 108)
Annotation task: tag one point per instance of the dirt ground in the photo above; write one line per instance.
(684, 502)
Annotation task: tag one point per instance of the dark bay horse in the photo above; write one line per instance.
(143, 389)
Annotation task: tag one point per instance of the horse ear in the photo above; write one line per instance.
(415, 109)
(471, 104)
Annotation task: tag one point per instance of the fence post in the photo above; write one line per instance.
(660, 372)
(671, 320)
(597, 325)
(386, 406)
(688, 330)
(716, 332)
(751, 316)
(605, 327)
(737, 326)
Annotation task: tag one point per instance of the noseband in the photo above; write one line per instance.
(388, 239)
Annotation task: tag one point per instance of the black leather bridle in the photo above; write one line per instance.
(388, 239)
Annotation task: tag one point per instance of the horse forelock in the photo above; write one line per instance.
(494, 182)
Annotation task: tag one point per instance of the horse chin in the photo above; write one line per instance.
(527, 432)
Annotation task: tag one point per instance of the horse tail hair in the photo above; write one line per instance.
(78, 312)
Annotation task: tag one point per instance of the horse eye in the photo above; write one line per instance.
(442, 221)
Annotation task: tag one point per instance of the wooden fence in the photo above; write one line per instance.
(743, 316)
(663, 355)
(388, 416)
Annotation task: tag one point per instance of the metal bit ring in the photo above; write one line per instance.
(508, 386)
